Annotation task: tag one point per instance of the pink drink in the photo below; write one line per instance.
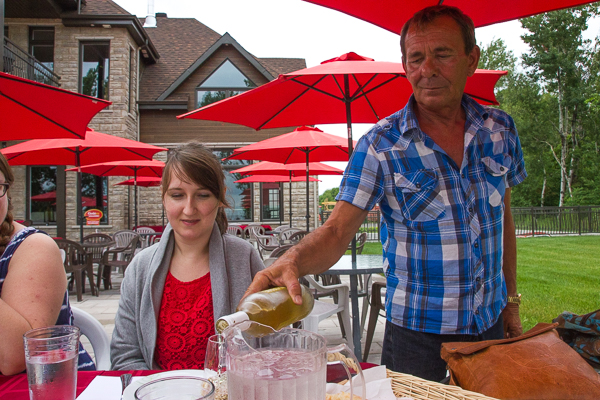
(52, 376)
(277, 375)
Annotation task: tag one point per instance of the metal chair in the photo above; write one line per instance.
(117, 257)
(378, 290)
(92, 329)
(361, 239)
(323, 310)
(77, 261)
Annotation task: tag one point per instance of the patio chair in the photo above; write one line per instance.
(117, 257)
(265, 243)
(146, 231)
(378, 290)
(361, 239)
(96, 244)
(323, 310)
(92, 329)
(76, 261)
(297, 236)
(235, 230)
(284, 234)
(279, 229)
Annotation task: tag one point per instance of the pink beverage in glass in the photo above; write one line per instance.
(276, 375)
(51, 357)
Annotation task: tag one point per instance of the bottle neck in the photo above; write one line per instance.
(230, 320)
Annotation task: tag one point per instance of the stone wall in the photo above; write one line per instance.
(118, 119)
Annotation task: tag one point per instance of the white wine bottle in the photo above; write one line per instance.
(272, 307)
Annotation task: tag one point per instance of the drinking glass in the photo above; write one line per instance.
(215, 354)
(51, 357)
(177, 388)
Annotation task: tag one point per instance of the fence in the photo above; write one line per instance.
(19, 63)
(538, 221)
(529, 221)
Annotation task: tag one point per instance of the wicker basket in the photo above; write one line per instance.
(405, 385)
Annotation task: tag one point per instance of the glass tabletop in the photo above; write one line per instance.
(365, 264)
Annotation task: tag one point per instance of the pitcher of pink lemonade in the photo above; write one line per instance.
(290, 364)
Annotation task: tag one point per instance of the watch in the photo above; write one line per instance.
(514, 299)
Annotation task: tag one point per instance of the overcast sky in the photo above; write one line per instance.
(296, 29)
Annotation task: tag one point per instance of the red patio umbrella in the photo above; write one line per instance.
(95, 148)
(153, 168)
(32, 110)
(144, 181)
(272, 179)
(296, 172)
(392, 14)
(303, 144)
(349, 88)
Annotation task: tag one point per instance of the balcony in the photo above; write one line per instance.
(22, 64)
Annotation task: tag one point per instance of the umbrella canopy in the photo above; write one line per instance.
(96, 147)
(144, 181)
(392, 14)
(133, 168)
(296, 169)
(32, 110)
(273, 179)
(310, 144)
(349, 88)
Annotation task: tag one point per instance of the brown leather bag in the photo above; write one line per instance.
(535, 365)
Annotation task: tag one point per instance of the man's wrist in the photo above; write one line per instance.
(514, 299)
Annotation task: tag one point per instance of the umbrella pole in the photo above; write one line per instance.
(79, 205)
(349, 127)
(135, 191)
(307, 197)
(290, 199)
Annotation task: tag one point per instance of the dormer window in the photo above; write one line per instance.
(225, 81)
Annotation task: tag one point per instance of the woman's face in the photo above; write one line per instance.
(191, 209)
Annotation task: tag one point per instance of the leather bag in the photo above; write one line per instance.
(535, 365)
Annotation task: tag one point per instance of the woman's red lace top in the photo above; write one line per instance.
(185, 322)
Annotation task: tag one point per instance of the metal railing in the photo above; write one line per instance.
(22, 64)
(529, 221)
(550, 221)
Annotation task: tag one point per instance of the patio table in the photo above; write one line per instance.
(365, 264)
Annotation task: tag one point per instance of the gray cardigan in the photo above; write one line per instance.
(233, 264)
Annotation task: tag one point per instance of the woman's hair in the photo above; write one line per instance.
(194, 162)
(7, 228)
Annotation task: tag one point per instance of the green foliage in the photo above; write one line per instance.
(329, 195)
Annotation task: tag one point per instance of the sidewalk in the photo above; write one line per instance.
(104, 308)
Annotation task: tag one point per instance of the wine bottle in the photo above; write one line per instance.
(272, 307)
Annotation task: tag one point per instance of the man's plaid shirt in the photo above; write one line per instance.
(443, 251)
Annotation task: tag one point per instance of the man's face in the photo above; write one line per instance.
(436, 64)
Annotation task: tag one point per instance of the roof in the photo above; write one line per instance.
(99, 7)
(184, 44)
(180, 42)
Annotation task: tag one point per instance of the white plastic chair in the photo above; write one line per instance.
(323, 310)
(93, 330)
(146, 230)
(235, 230)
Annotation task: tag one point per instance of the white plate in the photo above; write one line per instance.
(129, 393)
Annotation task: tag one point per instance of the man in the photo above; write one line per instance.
(441, 170)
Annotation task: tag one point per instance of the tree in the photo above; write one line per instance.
(560, 60)
(329, 195)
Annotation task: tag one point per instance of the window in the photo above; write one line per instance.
(94, 69)
(42, 189)
(94, 194)
(131, 78)
(41, 45)
(239, 195)
(225, 81)
(270, 201)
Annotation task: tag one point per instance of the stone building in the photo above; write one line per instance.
(150, 74)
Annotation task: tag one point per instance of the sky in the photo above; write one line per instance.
(297, 29)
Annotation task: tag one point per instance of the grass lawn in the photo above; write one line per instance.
(554, 275)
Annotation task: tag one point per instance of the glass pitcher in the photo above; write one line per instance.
(290, 364)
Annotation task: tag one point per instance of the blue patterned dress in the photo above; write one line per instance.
(65, 317)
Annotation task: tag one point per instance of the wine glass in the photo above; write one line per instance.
(215, 354)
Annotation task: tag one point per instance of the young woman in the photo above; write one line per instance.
(173, 292)
(33, 284)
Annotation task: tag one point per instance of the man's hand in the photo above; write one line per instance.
(281, 273)
(512, 321)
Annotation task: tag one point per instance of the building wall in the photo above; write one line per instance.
(118, 119)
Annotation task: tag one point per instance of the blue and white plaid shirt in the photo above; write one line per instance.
(443, 251)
